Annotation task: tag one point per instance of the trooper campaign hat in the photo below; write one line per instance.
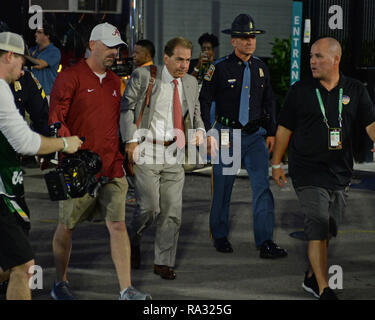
(243, 26)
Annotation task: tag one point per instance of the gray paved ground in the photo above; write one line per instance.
(203, 273)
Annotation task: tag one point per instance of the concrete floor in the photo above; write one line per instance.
(202, 272)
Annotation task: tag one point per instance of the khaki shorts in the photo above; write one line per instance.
(108, 205)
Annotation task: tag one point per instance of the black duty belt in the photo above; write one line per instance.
(251, 127)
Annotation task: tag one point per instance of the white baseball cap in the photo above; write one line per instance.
(13, 42)
(108, 34)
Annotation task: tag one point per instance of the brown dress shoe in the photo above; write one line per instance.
(165, 272)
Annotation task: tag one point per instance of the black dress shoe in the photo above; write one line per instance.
(223, 245)
(135, 257)
(270, 250)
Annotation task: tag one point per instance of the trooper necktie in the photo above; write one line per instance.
(245, 96)
(178, 122)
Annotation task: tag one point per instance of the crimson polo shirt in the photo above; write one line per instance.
(311, 163)
(87, 108)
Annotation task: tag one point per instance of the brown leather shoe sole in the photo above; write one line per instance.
(165, 272)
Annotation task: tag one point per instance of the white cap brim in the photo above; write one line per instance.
(113, 42)
(7, 47)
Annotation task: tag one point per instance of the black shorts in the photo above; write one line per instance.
(15, 248)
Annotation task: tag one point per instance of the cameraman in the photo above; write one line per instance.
(16, 255)
(86, 100)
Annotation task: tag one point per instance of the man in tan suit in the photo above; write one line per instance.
(158, 184)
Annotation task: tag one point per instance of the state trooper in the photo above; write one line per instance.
(29, 97)
(240, 86)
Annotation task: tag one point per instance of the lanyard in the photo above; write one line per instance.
(323, 110)
(36, 50)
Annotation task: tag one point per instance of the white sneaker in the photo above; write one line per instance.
(132, 293)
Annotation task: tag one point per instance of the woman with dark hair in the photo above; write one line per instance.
(198, 67)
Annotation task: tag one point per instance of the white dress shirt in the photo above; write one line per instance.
(162, 121)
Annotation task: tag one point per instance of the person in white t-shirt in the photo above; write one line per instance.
(16, 255)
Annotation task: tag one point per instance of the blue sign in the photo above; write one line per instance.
(295, 66)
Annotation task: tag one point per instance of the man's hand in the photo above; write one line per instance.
(197, 138)
(132, 151)
(212, 146)
(279, 176)
(74, 143)
(270, 142)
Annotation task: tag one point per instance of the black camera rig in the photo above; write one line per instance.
(123, 67)
(75, 174)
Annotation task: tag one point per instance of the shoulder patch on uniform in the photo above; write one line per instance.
(261, 73)
(209, 73)
(17, 86)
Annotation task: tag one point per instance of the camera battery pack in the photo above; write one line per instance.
(56, 186)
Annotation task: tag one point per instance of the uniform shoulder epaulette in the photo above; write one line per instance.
(42, 93)
(220, 60)
(257, 58)
(35, 80)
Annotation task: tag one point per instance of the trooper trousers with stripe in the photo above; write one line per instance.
(254, 157)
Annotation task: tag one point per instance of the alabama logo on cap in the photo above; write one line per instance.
(116, 33)
(345, 100)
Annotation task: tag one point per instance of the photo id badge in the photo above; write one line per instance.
(334, 138)
(224, 138)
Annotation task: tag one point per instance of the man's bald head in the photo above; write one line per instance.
(325, 58)
(331, 45)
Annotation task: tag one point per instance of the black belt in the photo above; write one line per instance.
(250, 127)
(163, 143)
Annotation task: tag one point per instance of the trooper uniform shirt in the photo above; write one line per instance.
(29, 96)
(311, 162)
(223, 84)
